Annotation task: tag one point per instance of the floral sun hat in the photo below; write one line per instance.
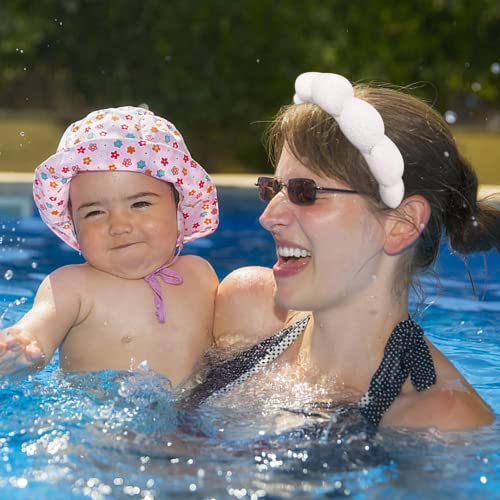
(133, 140)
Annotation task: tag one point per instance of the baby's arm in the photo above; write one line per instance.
(30, 343)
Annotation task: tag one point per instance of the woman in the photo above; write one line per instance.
(367, 181)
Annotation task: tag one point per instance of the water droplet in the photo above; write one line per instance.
(495, 68)
(22, 482)
(483, 479)
(144, 365)
(476, 87)
(9, 274)
(450, 117)
(257, 61)
(34, 265)
(446, 154)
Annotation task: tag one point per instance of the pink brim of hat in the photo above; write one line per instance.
(84, 149)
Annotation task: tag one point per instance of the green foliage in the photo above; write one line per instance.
(220, 68)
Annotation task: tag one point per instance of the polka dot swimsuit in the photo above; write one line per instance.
(406, 354)
(233, 372)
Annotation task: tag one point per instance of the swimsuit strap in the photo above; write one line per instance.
(168, 276)
(231, 373)
(406, 354)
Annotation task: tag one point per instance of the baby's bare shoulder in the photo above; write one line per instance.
(72, 271)
(194, 261)
(198, 268)
(68, 278)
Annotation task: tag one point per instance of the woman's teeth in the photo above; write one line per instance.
(293, 252)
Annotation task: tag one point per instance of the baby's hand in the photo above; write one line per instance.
(18, 352)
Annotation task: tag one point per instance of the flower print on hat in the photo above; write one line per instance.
(133, 140)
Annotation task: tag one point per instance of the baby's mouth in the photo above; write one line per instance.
(124, 245)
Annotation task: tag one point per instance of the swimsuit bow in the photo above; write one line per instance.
(406, 354)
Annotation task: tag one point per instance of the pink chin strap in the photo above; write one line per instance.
(168, 276)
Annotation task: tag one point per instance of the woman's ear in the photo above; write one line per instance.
(404, 226)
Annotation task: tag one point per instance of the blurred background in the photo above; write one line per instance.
(220, 69)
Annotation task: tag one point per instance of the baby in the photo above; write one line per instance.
(122, 189)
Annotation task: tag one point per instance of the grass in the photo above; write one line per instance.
(482, 149)
(27, 141)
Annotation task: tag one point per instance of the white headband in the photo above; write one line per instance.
(362, 125)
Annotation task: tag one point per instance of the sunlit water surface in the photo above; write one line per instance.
(120, 435)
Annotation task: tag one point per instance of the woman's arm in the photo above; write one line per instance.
(245, 311)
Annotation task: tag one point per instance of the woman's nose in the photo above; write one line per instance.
(277, 213)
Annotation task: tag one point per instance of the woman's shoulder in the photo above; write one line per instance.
(451, 403)
(245, 311)
(446, 408)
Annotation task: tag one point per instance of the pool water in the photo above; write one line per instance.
(118, 434)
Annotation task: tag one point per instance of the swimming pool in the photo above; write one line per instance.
(117, 435)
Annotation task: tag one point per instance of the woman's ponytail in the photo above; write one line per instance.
(472, 225)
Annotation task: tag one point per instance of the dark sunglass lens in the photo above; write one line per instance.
(266, 188)
(302, 191)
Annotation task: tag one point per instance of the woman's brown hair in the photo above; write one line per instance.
(433, 169)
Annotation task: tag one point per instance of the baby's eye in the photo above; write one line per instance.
(93, 213)
(141, 204)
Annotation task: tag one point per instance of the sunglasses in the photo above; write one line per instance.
(300, 191)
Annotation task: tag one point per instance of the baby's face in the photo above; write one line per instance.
(126, 222)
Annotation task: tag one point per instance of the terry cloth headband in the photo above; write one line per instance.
(362, 125)
(128, 139)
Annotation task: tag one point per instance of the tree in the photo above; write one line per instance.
(219, 69)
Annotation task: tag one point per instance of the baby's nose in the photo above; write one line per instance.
(119, 223)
